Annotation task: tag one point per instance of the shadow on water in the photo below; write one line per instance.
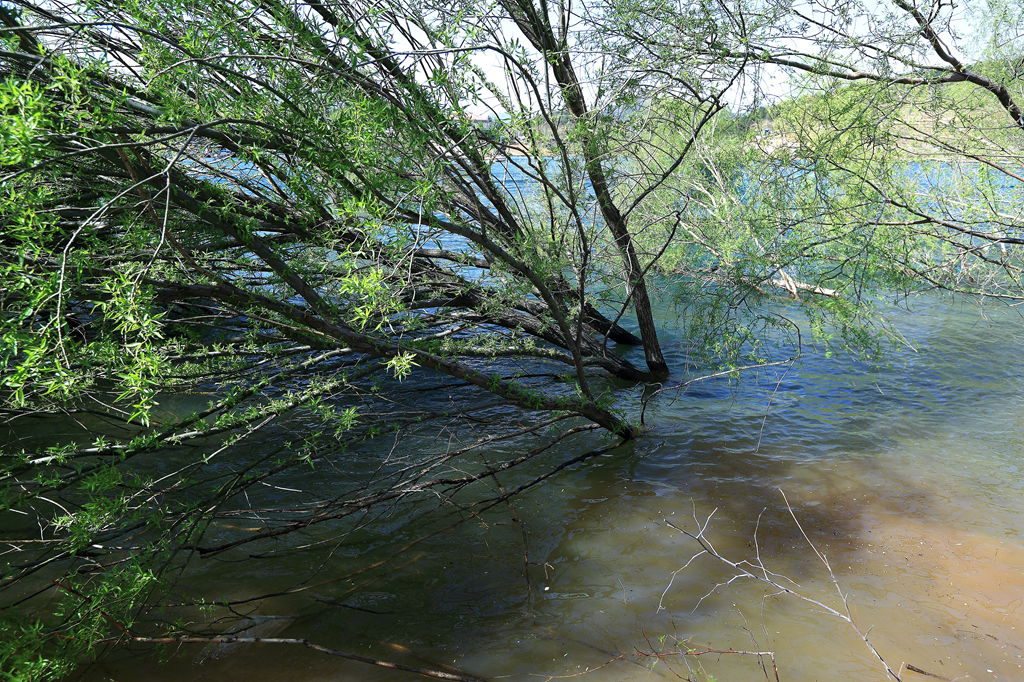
(906, 477)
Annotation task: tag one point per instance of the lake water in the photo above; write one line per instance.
(907, 477)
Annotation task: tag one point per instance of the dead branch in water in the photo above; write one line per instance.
(425, 672)
(703, 650)
(757, 570)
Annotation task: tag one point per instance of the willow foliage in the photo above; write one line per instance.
(249, 243)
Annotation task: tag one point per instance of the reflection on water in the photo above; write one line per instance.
(907, 477)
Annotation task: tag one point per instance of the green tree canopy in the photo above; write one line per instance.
(299, 211)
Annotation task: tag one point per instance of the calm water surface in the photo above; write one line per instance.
(906, 477)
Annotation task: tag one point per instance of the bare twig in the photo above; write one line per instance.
(756, 570)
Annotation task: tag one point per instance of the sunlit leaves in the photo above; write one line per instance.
(23, 113)
(401, 365)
